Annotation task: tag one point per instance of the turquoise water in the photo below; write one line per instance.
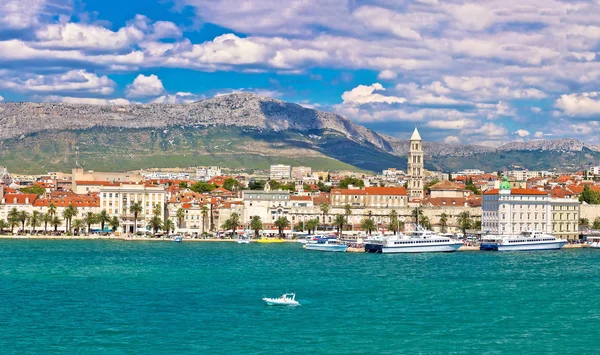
(116, 297)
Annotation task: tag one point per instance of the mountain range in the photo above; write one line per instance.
(240, 130)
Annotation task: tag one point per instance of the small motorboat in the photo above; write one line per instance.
(287, 299)
(178, 239)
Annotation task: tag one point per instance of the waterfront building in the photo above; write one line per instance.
(448, 189)
(268, 205)
(415, 166)
(79, 174)
(280, 172)
(207, 173)
(117, 201)
(565, 217)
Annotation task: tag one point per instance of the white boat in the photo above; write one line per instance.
(419, 241)
(526, 241)
(327, 244)
(287, 299)
(177, 239)
(243, 239)
(593, 242)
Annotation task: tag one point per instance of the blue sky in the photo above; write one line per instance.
(471, 72)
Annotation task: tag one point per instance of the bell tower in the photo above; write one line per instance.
(415, 167)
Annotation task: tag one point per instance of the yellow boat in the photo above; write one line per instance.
(269, 240)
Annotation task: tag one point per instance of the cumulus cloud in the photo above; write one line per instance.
(71, 81)
(538, 134)
(1, 99)
(84, 36)
(178, 98)
(364, 94)
(584, 104)
(145, 86)
(387, 75)
(522, 133)
(452, 140)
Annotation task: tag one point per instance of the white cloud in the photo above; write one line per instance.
(363, 94)
(536, 109)
(584, 104)
(1, 99)
(452, 140)
(380, 19)
(87, 100)
(538, 134)
(452, 124)
(78, 36)
(178, 98)
(522, 133)
(145, 86)
(22, 14)
(387, 75)
(72, 81)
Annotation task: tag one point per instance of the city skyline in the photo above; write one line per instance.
(486, 73)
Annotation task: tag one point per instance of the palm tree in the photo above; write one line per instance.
(157, 210)
(77, 226)
(281, 223)
(232, 222)
(340, 220)
(52, 209)
(136, 208)
(584, 222)
(68, 213)
(56, 221)
(155, 223)
(35, 220)
(47, 219)
(3, 224)
(22, 217)
(13, 218)
(204, 212)
(256, 225)
(393, 221)
(368, 225)
(443, 221)
(347, 213)
(425, 222)
(89, 219)
(180, 214)
(114, 223)
(103, 217)
(464, 222)
(324, 210)
(417, 214)
(168, 225)
(312, 225)
(477, 225)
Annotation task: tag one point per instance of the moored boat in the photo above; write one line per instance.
(270, 240)
(526, 241)
(327, 244)
(419, 241)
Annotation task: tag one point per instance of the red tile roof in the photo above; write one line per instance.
(300, 198)
(96, 183)
(20, 199)
(371, 191)
(447, 185)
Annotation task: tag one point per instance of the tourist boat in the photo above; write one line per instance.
(287, 299)
(243, 239)
(593, 242)
(327, 244)
(418, 241)
(526, 241)
(177, 239)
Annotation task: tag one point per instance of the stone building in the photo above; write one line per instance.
(415, 167)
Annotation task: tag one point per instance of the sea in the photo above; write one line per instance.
(125, 297)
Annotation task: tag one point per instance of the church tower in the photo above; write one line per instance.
(415, 167)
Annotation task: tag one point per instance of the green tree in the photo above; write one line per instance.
(584, 222)
(114, 223)
(103, 218)
(77, 226)
(425, 222)
(35, 189)
(232, 184)
(589, 196)
(232, 222)
(68, 213)
(89, 219)
(35, 220)
(3, 225)
(471, 187)
(596, 224)
(464, 222)
(345, 182)
(312, 225)
(443, 221)
(256, 225)
(394, 226)
(180, 214)
(183, 185)
(300, 226)
(324, 207)
(282, 223)
(157, 209)
(430, 184)
(417, 215)
(204, 211)
(13, 218)
(136, 208)
(323, 188)
(52, 209)
(347, 213)
(23, 217)
(368, 225)
(56, 221)
(257, 185)
(477, 225)
(168, 226)
(202, 187)
(340, 221)
(46, 219)
(155, 223)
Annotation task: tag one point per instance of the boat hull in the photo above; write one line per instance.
(323, 247)
(270, 241)
(532, 246)
(441, 248)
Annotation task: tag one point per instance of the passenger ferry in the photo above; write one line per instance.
(419, 241)
(327, 244)
(526, 241)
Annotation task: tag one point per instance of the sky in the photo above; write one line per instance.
(485, 72)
